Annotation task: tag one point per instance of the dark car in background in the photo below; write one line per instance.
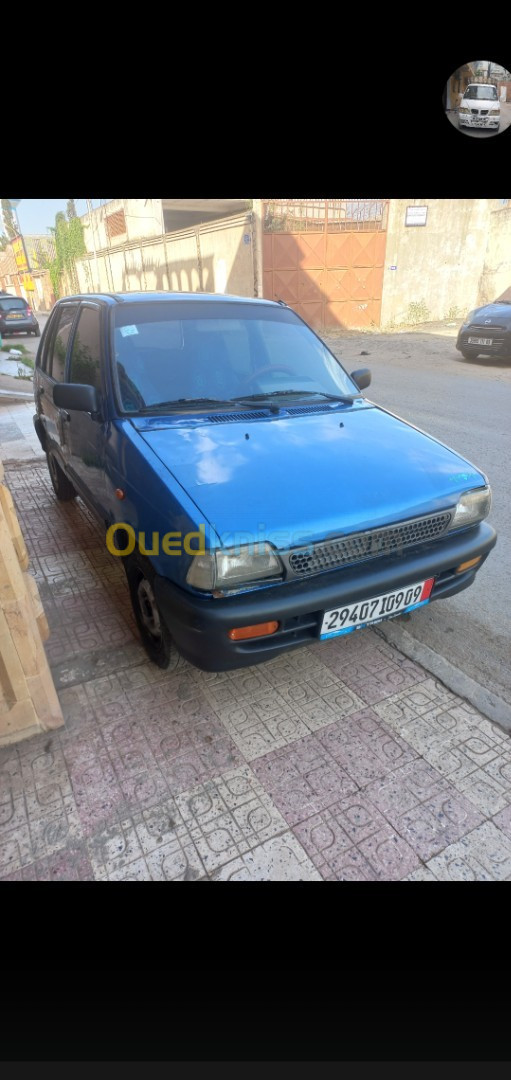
(486, 331)
(17, 317)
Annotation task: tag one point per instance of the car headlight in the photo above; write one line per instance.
(473, 506)
(464, 109)
(494, 112)
(468, 318)
(230, 568)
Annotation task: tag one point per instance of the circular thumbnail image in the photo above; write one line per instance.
(477, 98)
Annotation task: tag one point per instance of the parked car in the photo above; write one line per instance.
(260, 501)
(486, 331)
(479, 107)
(17, 317)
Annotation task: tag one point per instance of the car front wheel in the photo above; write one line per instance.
(156, 638)
(468, 354)
(62, 487)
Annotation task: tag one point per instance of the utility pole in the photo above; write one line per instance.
(89, 208)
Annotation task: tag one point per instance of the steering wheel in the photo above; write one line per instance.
(264, 370)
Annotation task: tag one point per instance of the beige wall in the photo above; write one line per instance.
(496, 275)
(214, 257)
(439, 265)
(144, 218)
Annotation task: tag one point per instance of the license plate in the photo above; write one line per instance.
(480, 341)
(14, 316)
(355, 616)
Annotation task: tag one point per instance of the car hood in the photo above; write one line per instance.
(480, 103)
(498, 313)
(295, 478)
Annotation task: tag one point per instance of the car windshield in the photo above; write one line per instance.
(217, 352)
(481, 93)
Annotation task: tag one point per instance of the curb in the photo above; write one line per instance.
(490, 705)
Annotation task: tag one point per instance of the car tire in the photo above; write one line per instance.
(156, 638)
(469, 355)
(36, 333)
(62, 487)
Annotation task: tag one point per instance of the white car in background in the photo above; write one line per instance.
(479, 107)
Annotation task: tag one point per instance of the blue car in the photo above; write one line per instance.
(257, 499)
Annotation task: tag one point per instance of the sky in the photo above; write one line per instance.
(36, 215)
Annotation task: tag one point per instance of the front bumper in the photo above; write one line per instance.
(467, 120)
(18, 326)
(500, 341)
(200, 625)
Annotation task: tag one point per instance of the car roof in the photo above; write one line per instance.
(141, 297)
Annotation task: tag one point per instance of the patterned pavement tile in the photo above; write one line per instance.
(303, 779)
(353, 833)
(483, 855)
(422, 874)
(228, 816)
(113, 849)
(15, 850)
(265, 725)
(69, 863)
(426, 810)
(503, 820)
(489, 788)
(11, 776)
(52, 825)
(188, 746)
(371, 667)
(364, 747)
(279, 859)
(416, 701)
(433, 728)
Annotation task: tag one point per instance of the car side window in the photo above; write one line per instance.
(85, 365)
(56, 362)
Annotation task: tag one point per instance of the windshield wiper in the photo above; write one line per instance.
(347, 399)
(185, 401)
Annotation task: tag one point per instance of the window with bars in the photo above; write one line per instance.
(320, 215)
(115, 224)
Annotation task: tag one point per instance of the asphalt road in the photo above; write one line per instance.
(466, 404)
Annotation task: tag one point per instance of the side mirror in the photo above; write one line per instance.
(362, 377)
(76, 396)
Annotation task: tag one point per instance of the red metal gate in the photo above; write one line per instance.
(325, 258)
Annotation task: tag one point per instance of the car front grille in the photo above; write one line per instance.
(359, 547)
(499, 338)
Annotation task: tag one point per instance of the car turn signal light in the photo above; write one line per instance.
(466, 565)
(240, 633)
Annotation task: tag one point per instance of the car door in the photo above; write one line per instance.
(52, 369)
(85, 434)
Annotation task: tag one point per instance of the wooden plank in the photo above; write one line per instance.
(13, 526)
(28, 700)
(37, 606)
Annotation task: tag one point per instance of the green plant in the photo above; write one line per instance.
(454, 312)
(418, 311)
(69, 245)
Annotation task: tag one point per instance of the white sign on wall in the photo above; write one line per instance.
(416, 215)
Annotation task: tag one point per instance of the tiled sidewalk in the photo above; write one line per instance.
(343, 760)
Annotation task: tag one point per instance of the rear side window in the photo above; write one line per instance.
(85, 366)
(13, 303)
(56, 361)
